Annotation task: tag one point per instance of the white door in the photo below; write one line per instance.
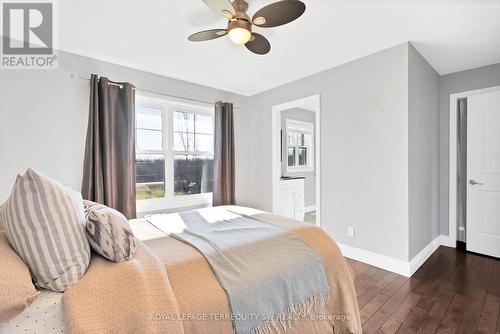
(483, 173)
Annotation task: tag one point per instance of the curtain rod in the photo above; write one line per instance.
(76, 76)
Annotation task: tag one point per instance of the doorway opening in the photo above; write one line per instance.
(296, 159)
(474, 171)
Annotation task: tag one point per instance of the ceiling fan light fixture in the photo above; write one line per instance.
(239, 23)
(239, 36)
(239, 31)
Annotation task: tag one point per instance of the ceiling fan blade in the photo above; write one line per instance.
(258, 44)
(223, 7)
(278, 13)
(207, 35)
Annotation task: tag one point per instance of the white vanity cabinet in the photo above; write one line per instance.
(292, 198)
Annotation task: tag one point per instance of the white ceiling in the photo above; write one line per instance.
(151, 35)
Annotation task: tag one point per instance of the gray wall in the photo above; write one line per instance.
(423, 152)
(43, 117)
(482, 77)
(377, 132)
(310, 177)
(364, 149)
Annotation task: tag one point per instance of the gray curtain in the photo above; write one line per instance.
(462, 169)
(223, 192)
(109, 162)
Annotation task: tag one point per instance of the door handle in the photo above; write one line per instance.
(475, 183)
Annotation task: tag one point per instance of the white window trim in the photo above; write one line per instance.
(306, 128)
(170, 201)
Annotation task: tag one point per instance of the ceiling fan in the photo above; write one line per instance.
(239, 26)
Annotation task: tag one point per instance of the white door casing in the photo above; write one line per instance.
(483, 173)
(304, 103)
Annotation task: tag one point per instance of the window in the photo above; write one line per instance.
(174, 154)
(150, 157)
(193, 153)
(300, 146)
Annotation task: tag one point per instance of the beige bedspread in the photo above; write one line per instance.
(140, 297)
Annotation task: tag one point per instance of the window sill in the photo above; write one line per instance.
(176, 204)
(299, 169)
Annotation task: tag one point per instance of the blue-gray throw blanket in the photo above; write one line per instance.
(271, 276)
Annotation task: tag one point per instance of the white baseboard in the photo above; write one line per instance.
(310, 208)
(447, 241)
(396, 266)
(424, 254)
(381, 261)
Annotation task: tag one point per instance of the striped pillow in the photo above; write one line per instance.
(109, 232)
(45, 224)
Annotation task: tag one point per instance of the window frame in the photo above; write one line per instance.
(305, 128)
(198, 112)
(168, 107)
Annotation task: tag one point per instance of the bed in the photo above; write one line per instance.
(170, 288)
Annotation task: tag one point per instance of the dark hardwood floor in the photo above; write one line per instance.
(453, 292)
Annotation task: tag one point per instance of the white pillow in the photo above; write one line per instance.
(45, 224)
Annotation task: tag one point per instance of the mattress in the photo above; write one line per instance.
(44, 316)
